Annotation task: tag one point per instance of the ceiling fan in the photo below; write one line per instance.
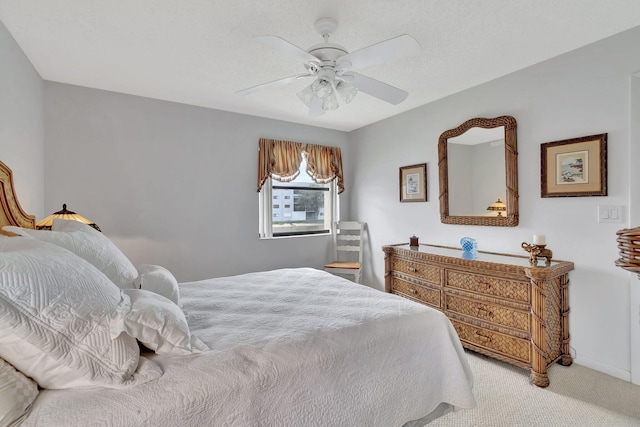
(333, 68)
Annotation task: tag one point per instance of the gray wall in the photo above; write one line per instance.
(171, 184)
(584, 92)
(21, 123)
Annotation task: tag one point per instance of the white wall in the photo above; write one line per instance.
(171, 184)
(581, 93)
(21, 123)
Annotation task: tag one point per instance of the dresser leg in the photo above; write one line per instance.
(538, 333)
(566, 360)
(388, 268)
(539, 379)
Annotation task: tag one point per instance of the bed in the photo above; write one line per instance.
(285, 347)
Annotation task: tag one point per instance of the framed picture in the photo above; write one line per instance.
(574, 167)
(413, 183)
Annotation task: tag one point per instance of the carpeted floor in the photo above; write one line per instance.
(577, 396)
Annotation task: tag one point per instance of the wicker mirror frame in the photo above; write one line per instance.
(511, 170)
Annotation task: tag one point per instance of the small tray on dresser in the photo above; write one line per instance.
(499, 304)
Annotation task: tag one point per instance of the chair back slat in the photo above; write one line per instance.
(347, 237)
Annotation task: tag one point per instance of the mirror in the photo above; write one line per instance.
(476, 175)
(478, 165)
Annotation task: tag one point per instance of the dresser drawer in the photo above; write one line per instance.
(492, 313)
(487, 285)
(417, 292)
(416, 269)
(515, 348)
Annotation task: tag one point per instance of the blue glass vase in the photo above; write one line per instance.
(469, 247)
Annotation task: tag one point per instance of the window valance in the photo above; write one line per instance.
(281, 160)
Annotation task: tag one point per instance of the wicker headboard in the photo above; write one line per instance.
(11, 212)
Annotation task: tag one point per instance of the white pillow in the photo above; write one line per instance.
(55, 314)
(158, 279)
(157, 323)
(17, 393)
(87, 243)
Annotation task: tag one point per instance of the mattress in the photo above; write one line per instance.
(289, 347)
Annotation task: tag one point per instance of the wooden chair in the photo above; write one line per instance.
(347, 238)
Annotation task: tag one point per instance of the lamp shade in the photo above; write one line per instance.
(498, 206)
(46, 223)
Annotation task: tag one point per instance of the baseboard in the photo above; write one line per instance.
(606, 369)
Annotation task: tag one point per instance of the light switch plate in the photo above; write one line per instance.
(610, 214)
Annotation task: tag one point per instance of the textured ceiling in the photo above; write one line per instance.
(200, 52)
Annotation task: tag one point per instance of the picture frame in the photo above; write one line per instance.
(574, 167)
(413, 183)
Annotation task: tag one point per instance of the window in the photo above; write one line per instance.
(312, 211)
(310, 175)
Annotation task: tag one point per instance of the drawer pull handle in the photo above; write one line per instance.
(483, 337)
(413, 269)
(483, 312)
(485, 286)
(413, 291)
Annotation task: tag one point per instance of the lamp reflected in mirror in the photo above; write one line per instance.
(498, 206)
(66, 214)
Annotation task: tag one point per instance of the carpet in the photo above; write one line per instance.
(577, 396)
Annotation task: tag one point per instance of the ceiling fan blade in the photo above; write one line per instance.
(275, 83)
(388, 50)
(288, 48)
(315, 109)
(380, 90)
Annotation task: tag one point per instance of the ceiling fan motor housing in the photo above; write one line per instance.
(327, 53)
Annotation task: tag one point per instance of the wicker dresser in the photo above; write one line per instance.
(499, 305)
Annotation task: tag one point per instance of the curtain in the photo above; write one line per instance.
(281, 160)
(324, 164)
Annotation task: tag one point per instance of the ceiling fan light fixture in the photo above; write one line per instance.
(346, 90)
(322, 87)
(306, 95)
(330, 102)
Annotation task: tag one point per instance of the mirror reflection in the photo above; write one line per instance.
(477, 178)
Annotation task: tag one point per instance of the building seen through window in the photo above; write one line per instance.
(308, 212)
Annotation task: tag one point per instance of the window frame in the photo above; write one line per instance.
(265, 223)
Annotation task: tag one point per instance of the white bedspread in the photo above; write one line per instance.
(292, 347)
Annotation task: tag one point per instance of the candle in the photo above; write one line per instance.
(539, 239)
